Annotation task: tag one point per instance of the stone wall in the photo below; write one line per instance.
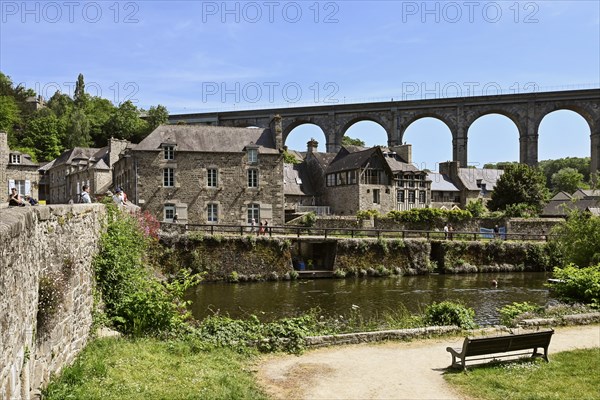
(46, 284)
(532, 226)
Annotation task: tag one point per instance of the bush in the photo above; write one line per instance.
(578, 284)
(136, 301)
(450, 313)
(577, 239)
(476, 208)
(368, 214)
(510, 312)
(309, 219)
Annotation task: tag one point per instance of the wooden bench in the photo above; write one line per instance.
(474, 347)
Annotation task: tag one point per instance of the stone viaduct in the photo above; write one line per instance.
(526, 110)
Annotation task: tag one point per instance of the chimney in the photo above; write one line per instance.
(277, 131)
(115, 148)
(450, 169)
(311, 146)
(404, 151)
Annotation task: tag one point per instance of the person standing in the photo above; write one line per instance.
(446, 231)
(84, 196)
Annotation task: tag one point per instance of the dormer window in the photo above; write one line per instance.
(15, 159)
(169, 152)
(479, 183)
(252, 156)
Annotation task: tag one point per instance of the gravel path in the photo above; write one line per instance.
(393, 370)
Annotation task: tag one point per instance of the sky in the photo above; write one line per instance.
(194, 56)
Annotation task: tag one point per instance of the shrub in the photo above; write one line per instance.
(510, 312)
(476, 208)
(309, 219)
(136, 301)
(577, 239)
(450, 313)
(578, 284)
(368, 214)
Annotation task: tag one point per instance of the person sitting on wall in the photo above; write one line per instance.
(15, 199)
(31, 200)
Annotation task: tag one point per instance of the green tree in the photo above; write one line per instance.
(44, 135)
(550, 167)
(567, 180)
(78, 130)
(80, 98)
(99, 111)
(577, 240)
(157, 116)
(61, 104)
(9, 114)
(499, 165)
(520, 184)
(347, 140)
(125, 123)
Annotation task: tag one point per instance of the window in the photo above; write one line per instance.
(411, 196)
(422, 196)
(22, 187)
(212, 177)
(376, 196)
(169, 152)
(253, 213)
(169, 212)
(252, 178)
(212, 213)
(15, 159)
(168, 177)
(252, 156)
(352, 177)
(331, 180)
(400, 196)
(374, 177)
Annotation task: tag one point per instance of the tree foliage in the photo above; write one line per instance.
(66, 122)
(567, 180)
(520, 184)
(577, 240)
(550, 167)
(347, 140)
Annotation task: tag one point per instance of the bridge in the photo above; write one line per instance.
(526, 110)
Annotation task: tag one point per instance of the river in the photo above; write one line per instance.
(272, 300)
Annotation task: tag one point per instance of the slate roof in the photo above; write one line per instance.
(345, 161)
(440, 182)
(562, 196)
(470, 176)
(295, 180)
(556, 208)
(68, 156)
(208, 138)
(399, 166)
(324, 159)
(586, 193)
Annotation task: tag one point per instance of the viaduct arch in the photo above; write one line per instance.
(526, 110)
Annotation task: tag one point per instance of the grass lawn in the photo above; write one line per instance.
(568, 375)
(151, 369)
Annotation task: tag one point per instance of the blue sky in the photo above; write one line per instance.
(193, 56)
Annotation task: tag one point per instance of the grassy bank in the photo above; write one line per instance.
(568, 375)
(154, 369)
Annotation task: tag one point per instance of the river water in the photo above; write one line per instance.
(272, 300)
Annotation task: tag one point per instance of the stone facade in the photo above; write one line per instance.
(17, 170)
(526, 110)
(46, 284)
(206, 175)
(359, 179)
(77, 167)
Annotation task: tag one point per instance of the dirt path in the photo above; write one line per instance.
(393, 370)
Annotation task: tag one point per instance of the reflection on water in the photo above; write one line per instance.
(272, 300)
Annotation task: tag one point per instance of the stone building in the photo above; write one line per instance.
(74, 168)
(207, 174)
(444, 193)
(17, 170)
(358, 178)
(472, 183)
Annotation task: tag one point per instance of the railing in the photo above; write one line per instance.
(310, 232)
(319, 210)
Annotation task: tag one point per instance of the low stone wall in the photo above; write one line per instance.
(573, 319)
(532, 226)
(46, 298)
(379, 336)
(382, 257)
(247, 258)
(490, 256)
